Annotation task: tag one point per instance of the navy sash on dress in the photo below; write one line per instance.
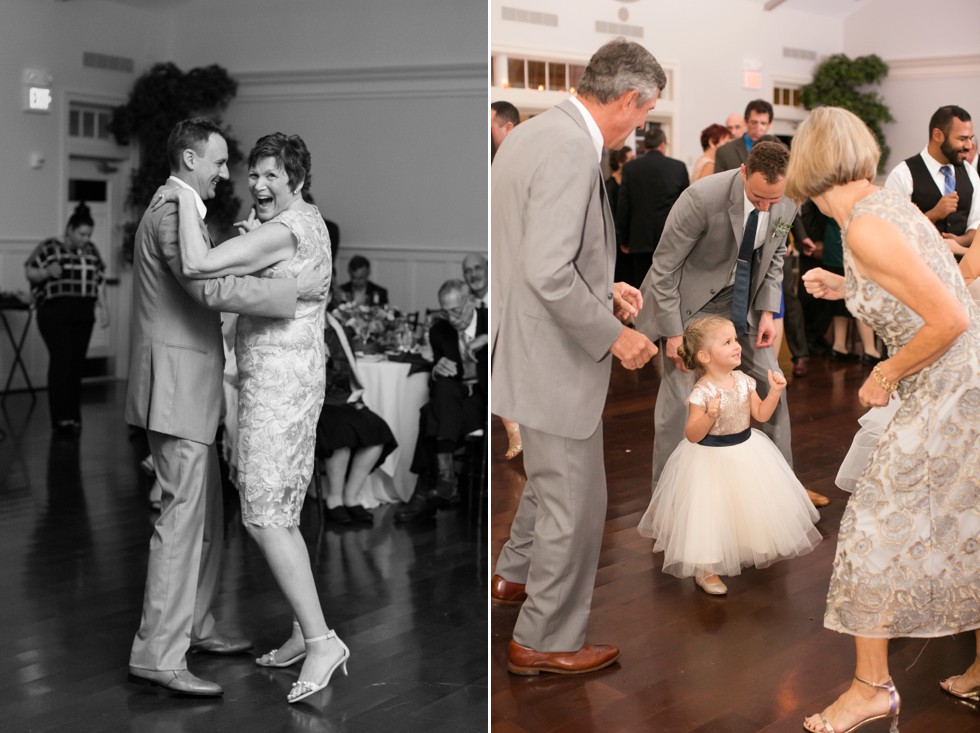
(717, 441)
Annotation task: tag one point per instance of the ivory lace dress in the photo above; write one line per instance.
(281, 372)
(908, 553)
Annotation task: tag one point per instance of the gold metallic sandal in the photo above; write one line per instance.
(894, 704)
(947, 686)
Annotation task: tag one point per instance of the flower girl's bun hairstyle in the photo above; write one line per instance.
(695, 336)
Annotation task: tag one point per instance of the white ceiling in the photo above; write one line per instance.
(835, 8)
(148, 3)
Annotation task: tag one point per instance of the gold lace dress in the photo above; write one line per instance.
(908, 553)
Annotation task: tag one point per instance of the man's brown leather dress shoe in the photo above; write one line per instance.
(591, 657)
(221, 645)
(800, 366)
(505, 593)
(819, 500)
(175, 680)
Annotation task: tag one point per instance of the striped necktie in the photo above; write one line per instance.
(949, 183)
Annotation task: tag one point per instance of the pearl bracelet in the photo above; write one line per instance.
(882, 380)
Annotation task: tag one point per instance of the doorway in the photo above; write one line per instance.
(96, 182)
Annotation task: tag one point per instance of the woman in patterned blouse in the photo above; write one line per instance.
(66, 281)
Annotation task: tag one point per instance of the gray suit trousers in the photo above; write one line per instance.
(670, 412)
(185, 554)
(555, 539)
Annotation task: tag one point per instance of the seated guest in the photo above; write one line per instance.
(360, 289)
(457, 399)
(354, 440)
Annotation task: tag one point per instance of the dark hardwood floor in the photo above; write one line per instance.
(756, 660)
(74, 533)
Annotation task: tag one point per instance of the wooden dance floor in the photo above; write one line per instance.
(74, 530)
(756, 660)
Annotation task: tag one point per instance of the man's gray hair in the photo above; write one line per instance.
(453, 286)
(621, 66)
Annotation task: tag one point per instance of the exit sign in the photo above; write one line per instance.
(37, 90)
(38, 99)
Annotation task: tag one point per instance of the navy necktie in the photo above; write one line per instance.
(743, 275)
(949, 183)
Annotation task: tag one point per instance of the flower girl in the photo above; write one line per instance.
(726, 498)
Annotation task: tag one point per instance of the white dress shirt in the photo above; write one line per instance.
(900, 180)
(760, 232)
(592, 126)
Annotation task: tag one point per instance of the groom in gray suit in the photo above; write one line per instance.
(175, 373)
(693, 274)
(556, 327)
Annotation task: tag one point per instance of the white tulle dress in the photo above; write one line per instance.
(721, 508)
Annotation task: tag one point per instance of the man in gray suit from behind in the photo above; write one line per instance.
(556, 326)
(692, 275)
(175, 373)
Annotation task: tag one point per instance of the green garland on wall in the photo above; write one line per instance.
(160, 98)
(837, 82)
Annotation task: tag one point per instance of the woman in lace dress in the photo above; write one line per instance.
(281, 372)
(908, 559)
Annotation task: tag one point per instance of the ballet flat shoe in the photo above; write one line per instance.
(714, 588)
(819, 500)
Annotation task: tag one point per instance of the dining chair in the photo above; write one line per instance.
(474, 467)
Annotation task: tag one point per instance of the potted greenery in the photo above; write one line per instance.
(838, 82)
(160, 98)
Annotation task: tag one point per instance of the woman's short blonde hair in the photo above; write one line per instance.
(831, 147)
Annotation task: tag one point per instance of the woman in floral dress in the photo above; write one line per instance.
(908, 561)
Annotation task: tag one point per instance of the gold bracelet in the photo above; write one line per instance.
(882, 380)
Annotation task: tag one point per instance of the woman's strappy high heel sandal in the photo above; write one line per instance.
(514, 444)
(303, 688)
(269, 658)
(894, 704)
(947, 685)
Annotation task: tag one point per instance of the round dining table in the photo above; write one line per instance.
(396, 391)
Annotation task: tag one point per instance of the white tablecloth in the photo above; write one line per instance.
(397, 397)
(390, 392)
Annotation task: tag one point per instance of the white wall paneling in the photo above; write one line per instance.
(399, 160)
(412, 278)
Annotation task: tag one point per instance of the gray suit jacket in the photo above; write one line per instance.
(731, 155)
(553, 248)
(697, 253)
(176, 356)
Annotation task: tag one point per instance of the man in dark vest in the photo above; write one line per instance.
(939, 183)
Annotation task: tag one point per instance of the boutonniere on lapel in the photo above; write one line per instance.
(780, 229)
